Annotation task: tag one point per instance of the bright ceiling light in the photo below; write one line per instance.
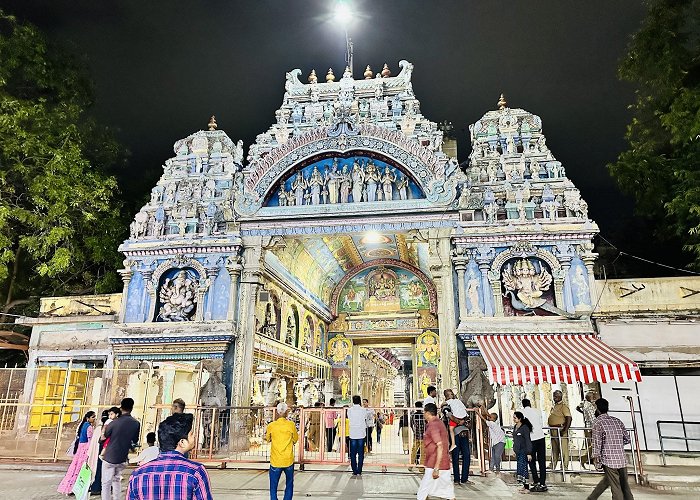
(343, 13)
(373, 237)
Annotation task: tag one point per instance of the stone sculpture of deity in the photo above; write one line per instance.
(178, 297)
(388, 180)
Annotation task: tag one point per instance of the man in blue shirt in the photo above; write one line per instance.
(171, 476)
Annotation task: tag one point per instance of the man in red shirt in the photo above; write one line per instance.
(437, 480)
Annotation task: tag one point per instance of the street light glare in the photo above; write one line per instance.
(343, 13)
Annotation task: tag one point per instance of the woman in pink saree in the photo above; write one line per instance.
(80, 454)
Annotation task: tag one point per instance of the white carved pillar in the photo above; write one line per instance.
(243, 360)
(495, 281)
(233, 266)
(460, 266)
(439, 244)
(126, 275)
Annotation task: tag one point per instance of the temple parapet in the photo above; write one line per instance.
(648, 295)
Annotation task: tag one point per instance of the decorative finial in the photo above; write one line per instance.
(502, 103)
(312, 76)
(347, 73)
(368, 73)
(330, 77)
(386, 72)
(212, 123)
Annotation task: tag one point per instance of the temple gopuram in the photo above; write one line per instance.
(349, 252)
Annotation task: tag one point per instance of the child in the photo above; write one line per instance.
(497, 438)
(456, 415)
(113, 413)
(150, 453)
(522, 446)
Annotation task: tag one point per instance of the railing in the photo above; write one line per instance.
(684, 437)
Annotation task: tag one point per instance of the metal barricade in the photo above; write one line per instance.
(672, 437)
(570, 453)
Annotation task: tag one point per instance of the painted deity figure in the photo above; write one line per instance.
(345, 185)
(282, 195)
(344, 385)
(315, 185)
(473, 296)
(291, 331)
(402, 188)
(372, 181)
(388, 180)
(581, 287)
(358, 181)
(178, 297)
(333, 181)
(299, 186)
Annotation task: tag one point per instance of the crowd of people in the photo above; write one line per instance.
(441, 447)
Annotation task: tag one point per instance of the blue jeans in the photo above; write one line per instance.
(357, 455)
(462, 447)
(275, 474)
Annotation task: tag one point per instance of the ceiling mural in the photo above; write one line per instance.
(319, 264)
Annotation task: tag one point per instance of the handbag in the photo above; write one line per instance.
(72, 447)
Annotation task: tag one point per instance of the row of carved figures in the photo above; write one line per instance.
(316, 112)
(364, 182)
(500, 170)
(187, 191)
(156, 224)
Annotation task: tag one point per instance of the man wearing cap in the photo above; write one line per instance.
(282, 435)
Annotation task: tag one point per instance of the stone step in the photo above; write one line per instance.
(673, 458)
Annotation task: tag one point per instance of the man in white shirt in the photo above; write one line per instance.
(371, 419)
(431, 397)
(358, 432)
(460, 438)
(539, 450)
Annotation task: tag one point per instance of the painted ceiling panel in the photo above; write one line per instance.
(320, 263)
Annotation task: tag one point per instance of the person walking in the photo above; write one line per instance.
(330, 417)
(281, 434)
(404, 430)
(497, 438)
(539, 449)
(588, 409)
(123, 434)
(458, 424)
(314, 426)
(81, 447)
(522, 447)
(436, 480)
(358, 434)
(172, 476)
(560, 421)
(418, 427)
(609, 440)
(94, 460)
(381, 418)
(370, 418)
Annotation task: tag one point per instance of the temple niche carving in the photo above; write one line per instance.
(345, 180)
(177, 297)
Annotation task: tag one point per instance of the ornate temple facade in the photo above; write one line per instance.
(348, 252)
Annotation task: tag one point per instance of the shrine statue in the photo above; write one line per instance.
(358, 179)
(315, 185)
(291, 331)
(373, 179)
(178, 297)
(333, 179)
(402, 188)
(476, 388)
(345, 185)
(425, 382)
(344, 386)
(388, 180)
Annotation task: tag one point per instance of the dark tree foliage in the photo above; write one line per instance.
(60, 219)
(661, 168)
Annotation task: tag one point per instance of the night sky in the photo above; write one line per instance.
(161, 68)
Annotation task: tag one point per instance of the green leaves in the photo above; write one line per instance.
(661, 168)
(59, 209)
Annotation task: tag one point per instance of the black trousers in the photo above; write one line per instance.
(539, 457)
(369, 438)
(330, 439)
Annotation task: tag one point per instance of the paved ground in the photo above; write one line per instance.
(322, 485)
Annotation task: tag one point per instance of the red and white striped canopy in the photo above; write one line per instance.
(517, 359)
